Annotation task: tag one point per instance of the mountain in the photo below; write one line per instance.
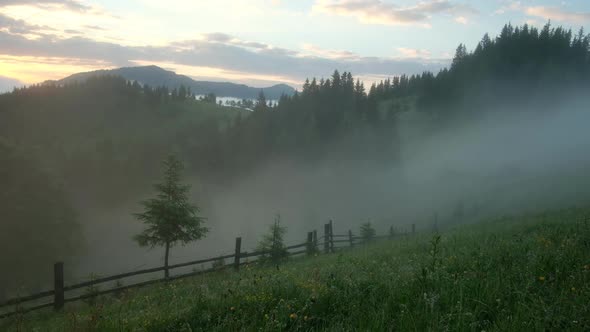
(156, 76)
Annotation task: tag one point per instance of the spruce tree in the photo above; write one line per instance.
(170, 217)
(261, 102)
(367, 231)
(273, 242)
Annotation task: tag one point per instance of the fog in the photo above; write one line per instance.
(506, 161)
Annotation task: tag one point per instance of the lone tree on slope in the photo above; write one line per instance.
(170, 217)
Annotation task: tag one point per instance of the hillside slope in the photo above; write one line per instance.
(522, 273)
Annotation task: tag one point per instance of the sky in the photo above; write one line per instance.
(256, 42)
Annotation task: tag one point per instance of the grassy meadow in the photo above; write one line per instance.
(520, 273)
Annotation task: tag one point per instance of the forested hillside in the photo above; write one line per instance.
(523, 68)
(93, 134)
(100, 142)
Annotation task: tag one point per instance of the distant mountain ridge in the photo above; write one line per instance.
(155, 76)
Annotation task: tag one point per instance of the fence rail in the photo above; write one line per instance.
(112, 278)
(27, 298)
(311, 246)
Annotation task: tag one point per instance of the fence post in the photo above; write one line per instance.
(413, 229)
(350, 238)
(315, 240)
(237, 254)
(58, 285)
(310, 248)
(331, 236)
(326, 238)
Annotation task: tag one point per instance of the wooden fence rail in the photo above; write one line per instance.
(311, 246)
(112, 278)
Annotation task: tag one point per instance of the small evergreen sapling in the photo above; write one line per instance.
(273, 243)
(367, 231)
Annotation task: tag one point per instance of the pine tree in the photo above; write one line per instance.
(336, 80)
(273, 242)
(170, 217)
(261, 102)
(367, 231)
(182, 92)
(460, 55)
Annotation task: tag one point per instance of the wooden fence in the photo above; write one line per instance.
(331, 243)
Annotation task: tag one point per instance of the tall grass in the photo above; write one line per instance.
(514, 274)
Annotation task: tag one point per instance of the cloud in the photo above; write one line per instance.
(546, 13)
(32, 69)
(510, 6)
(49, 19)
(462, 20)
(381, 12)
(218, 37)
(229, 40)
(67, 4)
(312, 50)
(94, 27)
(412, 53)
(75, 47)
(229, 56)
(20, 27)
(558, 14)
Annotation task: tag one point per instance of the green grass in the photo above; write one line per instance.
(515, 274)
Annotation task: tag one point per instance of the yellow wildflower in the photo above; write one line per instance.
(293, 316)
(232, 308)
(541, 278)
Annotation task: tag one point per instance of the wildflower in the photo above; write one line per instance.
(573, 289)
(232, 308)
(293, 316)
(541, 278)
(305, 318)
